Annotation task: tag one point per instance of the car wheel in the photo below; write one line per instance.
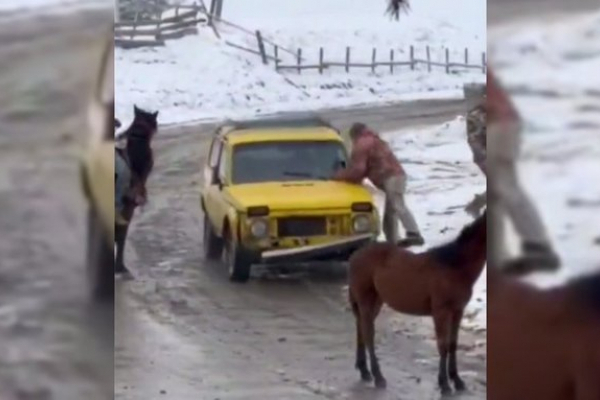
(100, 260)
(212, 244)
(238, 264)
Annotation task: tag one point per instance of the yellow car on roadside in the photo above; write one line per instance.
(268, 197)
(98, 177)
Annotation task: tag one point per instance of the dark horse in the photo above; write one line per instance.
(437, 283)
(140, 159)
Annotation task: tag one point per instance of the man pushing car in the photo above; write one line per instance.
(373, 159)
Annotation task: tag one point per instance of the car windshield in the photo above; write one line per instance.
(286, 161)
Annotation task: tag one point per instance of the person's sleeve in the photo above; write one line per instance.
(356, 172)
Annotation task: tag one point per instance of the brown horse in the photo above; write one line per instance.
(543, 344)
(438, 283)
(140, 159)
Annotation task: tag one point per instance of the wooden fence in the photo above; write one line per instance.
(174, 23)
(390, 61)
(376, 62)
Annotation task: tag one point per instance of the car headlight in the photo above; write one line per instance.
(259, 228)
(361, 224)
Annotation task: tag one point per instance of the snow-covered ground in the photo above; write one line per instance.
(442, 180)
(551, 69)
(199, 77)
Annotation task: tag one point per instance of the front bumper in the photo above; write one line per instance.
(337, 250)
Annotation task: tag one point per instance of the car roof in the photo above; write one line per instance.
(282, 135)
(302, 121)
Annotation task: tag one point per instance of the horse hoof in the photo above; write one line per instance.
(460, 386)
(380, 382)
(446, 391)
(121, 269)
(366, 376)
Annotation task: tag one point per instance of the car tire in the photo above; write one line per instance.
(212, 244)
(100, 260)
(237, 262)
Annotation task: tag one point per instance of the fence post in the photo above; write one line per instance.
(428, 59)
(158, 35)
(219, 8)
(276, 53)
(467, 57)
(392, 61)
(483, 62)
(299, 60)
(261, 48)
(373, 58)
(347, 59)
(412, 57)
(447, 61)
(321, 54)
(176, 11)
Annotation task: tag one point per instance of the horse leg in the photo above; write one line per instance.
(442, 320)
(459, 384)
(368, 313)
(120, 240)
(361, 354)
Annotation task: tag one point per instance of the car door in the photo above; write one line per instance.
(211, 190)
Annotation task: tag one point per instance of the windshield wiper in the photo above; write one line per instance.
(298, 174)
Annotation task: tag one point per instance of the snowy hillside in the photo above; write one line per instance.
(199, 77)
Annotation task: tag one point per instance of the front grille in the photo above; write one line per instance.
(301, 226)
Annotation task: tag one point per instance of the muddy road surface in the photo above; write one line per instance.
(54, 344)
(183, 331)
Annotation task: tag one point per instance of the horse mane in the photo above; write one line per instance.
(586, 290)
(451, 254)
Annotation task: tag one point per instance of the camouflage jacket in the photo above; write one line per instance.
(477, 132)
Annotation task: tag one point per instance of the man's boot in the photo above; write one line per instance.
(412, 239)
(542, 255)
(536, 257)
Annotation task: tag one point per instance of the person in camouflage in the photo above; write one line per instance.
(476, 138)
(372, 158)
(504, 124)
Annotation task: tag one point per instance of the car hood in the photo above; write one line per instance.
(298, 195)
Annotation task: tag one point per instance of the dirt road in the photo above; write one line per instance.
(53, 343)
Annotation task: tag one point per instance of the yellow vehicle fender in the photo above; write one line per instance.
(232, 223)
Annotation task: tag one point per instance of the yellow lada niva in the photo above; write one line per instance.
(268, 197)
(98, 177)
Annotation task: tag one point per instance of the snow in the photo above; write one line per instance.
(550, 67)
(201, 78)
(442, 179)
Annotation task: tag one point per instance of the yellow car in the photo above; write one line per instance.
(268, 197)
(98, 175)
